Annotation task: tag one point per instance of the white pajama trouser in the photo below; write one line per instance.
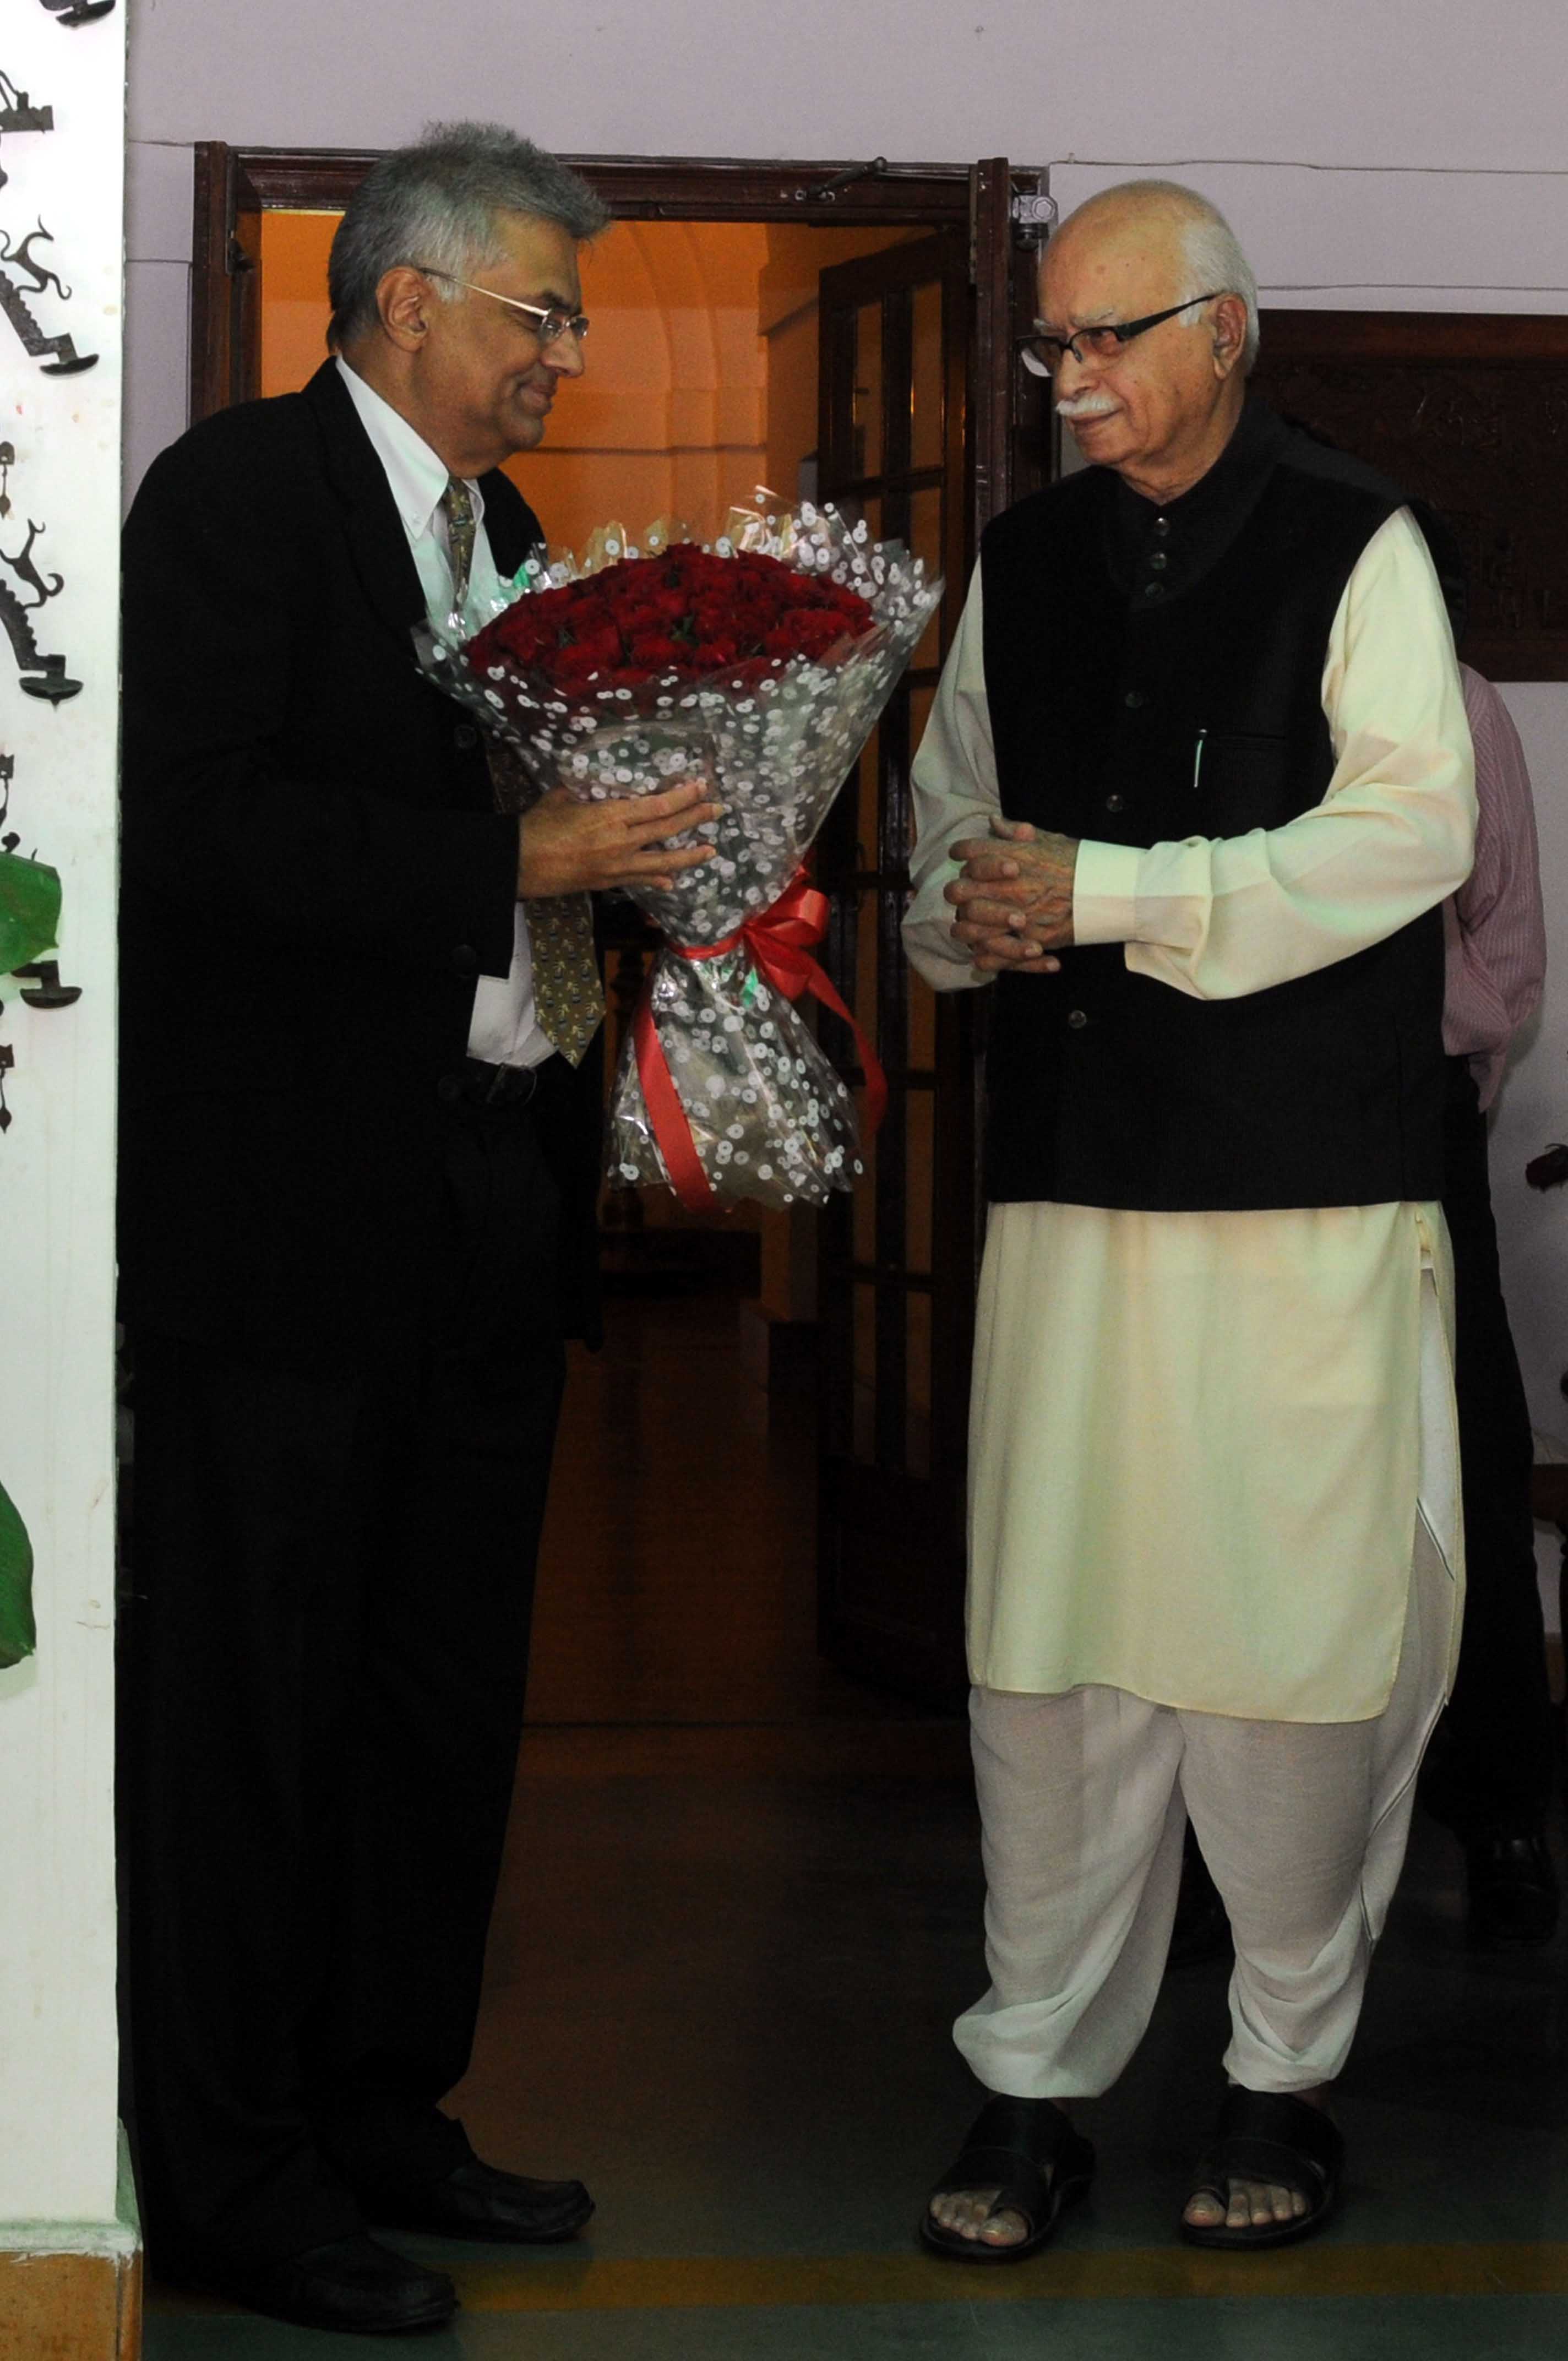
(1084, 1798)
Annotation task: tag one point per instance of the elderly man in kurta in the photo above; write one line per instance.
(1197, 781)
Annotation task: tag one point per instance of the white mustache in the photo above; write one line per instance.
(1087, 405)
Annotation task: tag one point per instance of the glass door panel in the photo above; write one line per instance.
(927, 378)
(867, 445)
(889, 1415)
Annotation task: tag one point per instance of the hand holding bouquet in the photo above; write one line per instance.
(764, 668)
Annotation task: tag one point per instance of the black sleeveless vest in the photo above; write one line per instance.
(1154, 676)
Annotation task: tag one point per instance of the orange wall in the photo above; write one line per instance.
(669, 416)
(294, 309)
(701, 378)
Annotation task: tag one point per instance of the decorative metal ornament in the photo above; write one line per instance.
(52, 683)
(42, 675)
(78, 12)
(24, 569)
(66, 360)
(18, 113)
(38, 978)
(48, 992)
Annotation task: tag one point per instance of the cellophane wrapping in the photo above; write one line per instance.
(770, 1118)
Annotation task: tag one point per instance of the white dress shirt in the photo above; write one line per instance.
(504, 1030)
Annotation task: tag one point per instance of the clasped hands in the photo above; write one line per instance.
(567, 847)
(1015, 896)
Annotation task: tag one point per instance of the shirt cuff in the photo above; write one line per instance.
(1105, 892)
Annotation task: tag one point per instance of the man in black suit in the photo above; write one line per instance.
(360, 1146)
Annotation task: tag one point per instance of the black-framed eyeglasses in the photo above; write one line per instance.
(553, 324)
(1043, 355)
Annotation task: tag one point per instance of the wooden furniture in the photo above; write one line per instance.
(1467, 410)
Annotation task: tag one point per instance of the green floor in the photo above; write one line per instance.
(723, 1995)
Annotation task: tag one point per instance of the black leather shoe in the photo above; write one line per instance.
(354, 2284)
(479, 2200)
(1513, 1890)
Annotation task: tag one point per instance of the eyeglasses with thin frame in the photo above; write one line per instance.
(553, 324)
(1042, 355)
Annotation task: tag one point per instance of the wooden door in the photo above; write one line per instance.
(916, 417)
(948, 431)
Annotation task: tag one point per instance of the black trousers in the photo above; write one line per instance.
(327, 1651)
(1492, 1761)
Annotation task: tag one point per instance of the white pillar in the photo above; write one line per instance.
(58, 2060)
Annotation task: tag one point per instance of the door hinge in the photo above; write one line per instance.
(236, 260)
(1034, 216)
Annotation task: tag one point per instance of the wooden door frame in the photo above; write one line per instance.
(1004, 430)
(234, 186)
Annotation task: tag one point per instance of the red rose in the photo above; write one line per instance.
(808, 632)
(657, 651)
(683, 611)
(572, 670)
(633, 621)
(587, 615)
(713, 655)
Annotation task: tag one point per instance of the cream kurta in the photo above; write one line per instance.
(1198, 1439)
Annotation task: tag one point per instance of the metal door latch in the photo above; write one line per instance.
(829, 190)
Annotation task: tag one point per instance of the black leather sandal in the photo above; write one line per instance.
(1270, 2136)
(1028, 2152)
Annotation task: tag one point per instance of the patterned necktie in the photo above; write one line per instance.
(458, 503)
(568, 998)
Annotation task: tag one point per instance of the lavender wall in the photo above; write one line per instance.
(1410, 154)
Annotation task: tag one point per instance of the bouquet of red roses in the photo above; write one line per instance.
(762, 667)
(678, 616)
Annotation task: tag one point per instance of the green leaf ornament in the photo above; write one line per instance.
(29, 910)
(19, 1634)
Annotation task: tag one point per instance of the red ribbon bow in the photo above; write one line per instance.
(779, 944)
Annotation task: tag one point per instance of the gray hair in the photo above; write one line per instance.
(440, 204)
(1215, 263)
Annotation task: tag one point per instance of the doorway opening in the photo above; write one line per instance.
(774, 1441)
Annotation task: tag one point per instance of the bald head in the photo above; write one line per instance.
(1158, 407)
(1193, 235)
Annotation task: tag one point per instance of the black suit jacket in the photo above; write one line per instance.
(314, 874)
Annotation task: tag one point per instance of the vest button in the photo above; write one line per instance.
(465, 736)
(1076, 1019)
(1160, 561)
(1162, 525)
(1133, 698)
(449, 1088)
(1152, 590)
(1114, 804)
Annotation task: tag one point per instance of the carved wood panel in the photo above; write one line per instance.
(1470, 412)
